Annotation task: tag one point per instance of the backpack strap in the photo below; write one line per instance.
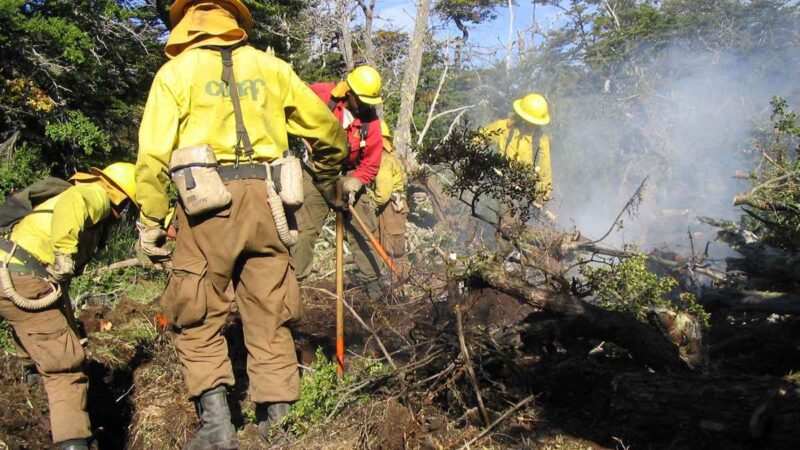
(364, 130)
(332, 104)
(243, 144)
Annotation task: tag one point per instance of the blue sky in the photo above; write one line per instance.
(400, 14)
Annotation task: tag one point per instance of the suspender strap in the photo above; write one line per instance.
(242, 138)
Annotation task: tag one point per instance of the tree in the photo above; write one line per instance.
(408, 88)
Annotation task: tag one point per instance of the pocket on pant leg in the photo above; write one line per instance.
(292, 306)
(54, 352)
(185, 301)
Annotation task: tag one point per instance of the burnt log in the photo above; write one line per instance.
(756, 409)
(751, 301)
(646, 344)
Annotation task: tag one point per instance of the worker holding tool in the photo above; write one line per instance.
(352, 101)
(388, 194)
(216, 124)
(47, 241)
(522, 138)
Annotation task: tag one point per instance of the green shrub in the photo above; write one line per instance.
(323, 393)
(628, 286)
(6, 339)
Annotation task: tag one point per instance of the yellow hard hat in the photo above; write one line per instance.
(245, 19)
(385, 131)
(533, 109)
(121, 175)
(365, 82)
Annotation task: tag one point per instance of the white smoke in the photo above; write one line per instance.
(689, 131)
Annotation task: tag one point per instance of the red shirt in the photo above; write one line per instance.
(367, 167)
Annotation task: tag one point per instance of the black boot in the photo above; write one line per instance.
(269, 414)
(217, 432)
(74, 444)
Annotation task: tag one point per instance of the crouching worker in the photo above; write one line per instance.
(55, 227)
(216, 123)
(388, 194)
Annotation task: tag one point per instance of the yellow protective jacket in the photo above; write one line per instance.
(390, 178)
(73, 227)
(189, 104)
(515, 145)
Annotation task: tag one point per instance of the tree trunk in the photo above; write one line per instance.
(408, 91)
(752, 301)
(657, 406)
(645, 343)
(369, 46)
(345, 39)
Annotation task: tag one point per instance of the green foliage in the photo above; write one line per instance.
(6, 339)
(772, 207)
(79, 132)
(478, 172)
(323, 393)
(21, 168)
(136, 283)
(628, 286)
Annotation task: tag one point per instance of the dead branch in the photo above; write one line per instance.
(497, 422)
(358, 318)
(468, 364)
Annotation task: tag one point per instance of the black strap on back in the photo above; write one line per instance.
(243, 144)
(28, 261)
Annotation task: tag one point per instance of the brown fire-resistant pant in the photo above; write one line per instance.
(392, 234)
(311, 218)
(238, 244)
(54, 347)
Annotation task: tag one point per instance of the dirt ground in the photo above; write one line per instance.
(137, 399)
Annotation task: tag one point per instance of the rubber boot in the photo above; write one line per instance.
(269, 414)
(217, 432)
(74, 444)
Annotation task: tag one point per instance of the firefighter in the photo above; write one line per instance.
(522, 137)
(388, 194)
(352, 101)
(44, 250)
(217, 92)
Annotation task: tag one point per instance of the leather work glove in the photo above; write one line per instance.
(62, 269)
(397, 202)
(350, 187)
(153, 242)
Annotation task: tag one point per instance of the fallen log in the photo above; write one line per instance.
(586, 320)
(751, 301)
(648, 407)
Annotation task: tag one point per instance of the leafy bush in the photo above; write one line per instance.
(323, 393)
(21, 168)
(628, 286)
(6, 339)
(772, 207)
(478, 172)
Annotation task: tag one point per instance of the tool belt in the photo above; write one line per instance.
(30, 265)
(247, 171)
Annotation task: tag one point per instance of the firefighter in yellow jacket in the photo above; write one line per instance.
(522, 137)
(388, 194)
(191, 103)
(45, 249)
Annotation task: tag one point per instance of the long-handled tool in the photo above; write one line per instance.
(339, 277)
(374, 241)
(339, 293)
